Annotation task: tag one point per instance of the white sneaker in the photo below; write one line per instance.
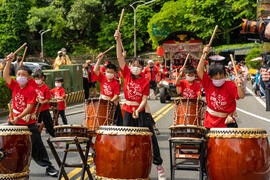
(161, 173)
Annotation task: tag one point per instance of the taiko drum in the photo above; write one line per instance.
(238, 154)
(15, 152)
(123, 153)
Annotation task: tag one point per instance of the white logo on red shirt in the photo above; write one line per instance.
(107, 89)
(57, 95)
(134, 91)
(19, 102)
(40, 95)
(218, 101)
(188, 93)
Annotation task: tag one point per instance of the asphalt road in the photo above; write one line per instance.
(251, 114)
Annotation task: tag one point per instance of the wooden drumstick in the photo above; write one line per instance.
(121, 18)
(186, 61)
(122, 46)
(24, 53)
(10, 112)
(213, 35)
(20, 48)
(107, 50)
(234, 66)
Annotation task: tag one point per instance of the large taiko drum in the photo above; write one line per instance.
(238, 154)
(15, 152)
(71, 131)
(98, 112)
(123, 152)
(188, 112)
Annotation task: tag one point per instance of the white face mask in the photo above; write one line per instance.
(39, 82)
(135, 70)
(22, 80)
(190, 78)
(58, 84)
(109, 75)
(218, 83)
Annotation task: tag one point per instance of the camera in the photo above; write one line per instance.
(255, 27)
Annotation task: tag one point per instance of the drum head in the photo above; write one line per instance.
(187, 126)
(14, 130)
(123, 130)
(184, 100)
(237, 133)
(70, 126)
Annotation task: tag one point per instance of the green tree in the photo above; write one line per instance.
(201, 16)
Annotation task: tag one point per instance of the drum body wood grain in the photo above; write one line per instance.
(238, 154)
(15, 152)
(188, 112)
(123, 153)
(99, 112)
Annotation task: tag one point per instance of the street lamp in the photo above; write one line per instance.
(41, 32)
(141, 3)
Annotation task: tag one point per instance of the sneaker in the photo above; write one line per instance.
(156, 131)
(161, 173)
(51, 171)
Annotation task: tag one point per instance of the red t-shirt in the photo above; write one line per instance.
(187, 90)
(108, 88)
(59, 92)
(147, 72)
(20, 99)
(222, 99)
(134, 89)
(43, 93)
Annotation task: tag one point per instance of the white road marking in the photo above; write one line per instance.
(258, 99)
(254, 115)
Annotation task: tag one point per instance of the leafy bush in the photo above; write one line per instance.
(255, 52)
(5, 94)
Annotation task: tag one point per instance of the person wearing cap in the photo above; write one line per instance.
(43, 98)
(62, 59)
(151, 73)
(60, 95)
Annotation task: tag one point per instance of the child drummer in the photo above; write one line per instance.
(23, 100)
(136, 91)
(188, 87)
(109, 87)
(221, 95)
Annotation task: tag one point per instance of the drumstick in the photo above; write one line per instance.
(20, 48)
(234, 66)
(211, 41)
(10, 111)
(121, 18)
(213, 35)
(186, 60)
(24, 53)
(106, 51)
(122, 46)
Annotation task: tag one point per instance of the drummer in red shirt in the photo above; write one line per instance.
(23, 112)
(136, 91)
(109, 87)
(59, 94)
(221, 95)
(188, 87)
(151, 73)
(43, 97)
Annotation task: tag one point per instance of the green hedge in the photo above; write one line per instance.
(5, 94)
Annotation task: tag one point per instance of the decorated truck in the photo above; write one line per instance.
(173, 51)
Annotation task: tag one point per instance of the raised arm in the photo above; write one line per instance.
(6, 75)
(96, 68)
(120, 57)
(200, 68)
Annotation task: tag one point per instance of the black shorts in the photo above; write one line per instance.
(153, 85)
(92, 84)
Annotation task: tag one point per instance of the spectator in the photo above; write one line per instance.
(261, 87)
(245, 73)
(17, 64)
(151, 73)
(89, 83)
(257, 76)
(62, 59)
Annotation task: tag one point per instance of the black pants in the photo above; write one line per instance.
(143, 121)
(86, 88)
(63, 116)
(46, 118)
(39, 152)
(118, 118)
